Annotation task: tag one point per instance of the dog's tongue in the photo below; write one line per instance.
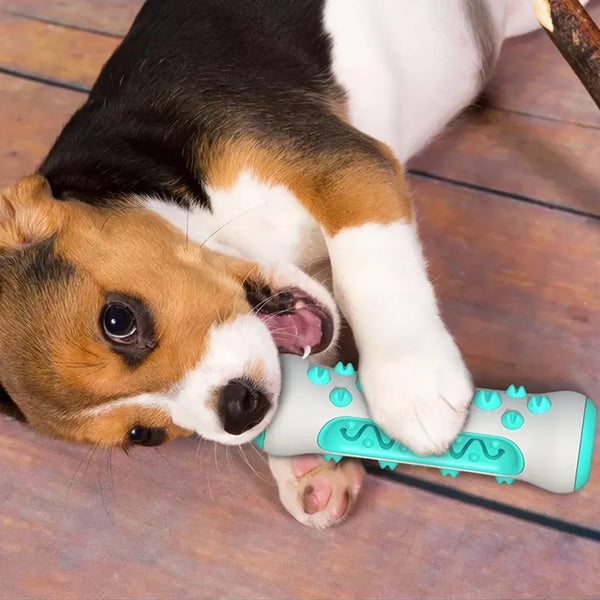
(293, 332)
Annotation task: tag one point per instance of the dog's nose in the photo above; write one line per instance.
(241, 407)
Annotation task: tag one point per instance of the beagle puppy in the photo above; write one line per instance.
(160, 259)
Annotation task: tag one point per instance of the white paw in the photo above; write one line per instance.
(316, 492)
(420, 392)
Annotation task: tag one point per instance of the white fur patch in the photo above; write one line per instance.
(233, 350)
(253, 220)
(408, 67)
(155, 401)
(414, 378)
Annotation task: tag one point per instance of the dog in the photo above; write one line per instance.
(160, 259)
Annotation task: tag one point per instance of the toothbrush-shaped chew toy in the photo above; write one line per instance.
(544, 439)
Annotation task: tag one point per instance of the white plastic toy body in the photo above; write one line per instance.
(544, 439)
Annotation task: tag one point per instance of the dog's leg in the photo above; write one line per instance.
(411, 370)
(316, 492)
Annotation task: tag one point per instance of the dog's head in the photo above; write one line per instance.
(114, 329)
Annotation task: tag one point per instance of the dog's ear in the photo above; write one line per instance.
(28, 213)
(8, 407)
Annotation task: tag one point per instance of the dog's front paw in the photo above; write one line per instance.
(420, 392)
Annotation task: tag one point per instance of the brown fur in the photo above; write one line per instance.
(132, 251)
(55, 372)
(108, 428)
(340, 190)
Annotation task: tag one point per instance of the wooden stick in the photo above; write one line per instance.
(577, 38)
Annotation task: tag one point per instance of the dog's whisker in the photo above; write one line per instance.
(263, 458)
(89, 451)
(294, 335)
(216, 459)
(89, 460)
(81, 365)
(249, 464)
(86, 350)
(261, 455)
(220, 228)
(110, 216)
(157, 451)
(187, 225)
(276, 314)
(109, 469)
(208, 484)
(199, 445)
(265, 301)
(228, 455)
(248, 275)
(203, 442)
(104, 499)
(106, 483)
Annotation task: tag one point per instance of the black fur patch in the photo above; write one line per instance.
(188, 73)
(43, 265)
(35, 265)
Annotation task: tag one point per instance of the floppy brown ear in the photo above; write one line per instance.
(28, 213)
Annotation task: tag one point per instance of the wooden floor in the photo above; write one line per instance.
(509, 207)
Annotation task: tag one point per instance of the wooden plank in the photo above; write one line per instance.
(111, 17)
(519, 289)
(557, 162)
(519, 286)
(533, 78)
(32, 115)
(187, 523)
(545, 160)
(54, 52)
(522, 309)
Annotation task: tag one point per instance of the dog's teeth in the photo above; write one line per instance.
(299, 304)
(307, 350)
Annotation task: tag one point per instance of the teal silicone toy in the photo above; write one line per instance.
(544, 439)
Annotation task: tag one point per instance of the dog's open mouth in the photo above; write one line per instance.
(298, 323)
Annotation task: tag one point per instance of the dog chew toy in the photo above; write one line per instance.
(544, 439)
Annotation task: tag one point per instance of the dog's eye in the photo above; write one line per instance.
(119, 323)
(146, 436)
(126, 324)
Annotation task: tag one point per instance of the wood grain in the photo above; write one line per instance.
(522, 307)
(517, 282)
(518, 286)
(186, 522)
(31, 116)
(530, 77)
(112, 17)
(54, 52)
(545, 160)
(519, 289)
